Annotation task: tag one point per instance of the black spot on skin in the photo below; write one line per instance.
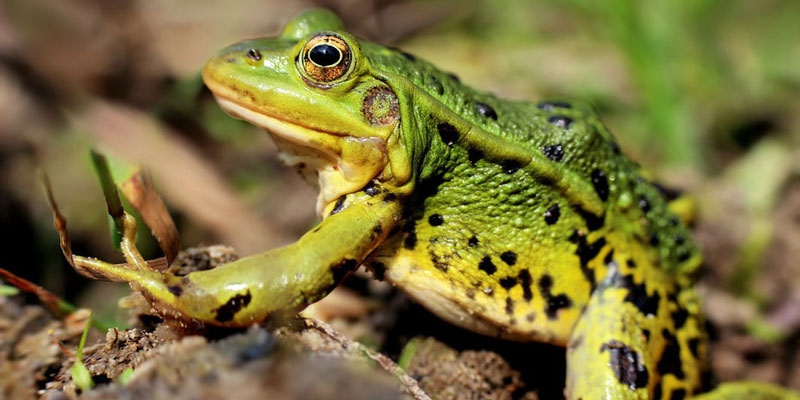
(407, 56)
(552, 214)
(679, 317)
(670, 361)
(674, 221)
(683, 256)
(473, 241)
(554, 152)
(609, 258)
(593, 222)
(615, 147)
(389, 197)
(644, 204)
(668, 194)
(680, 239)
(694, 347)
(448, 133)
(378, 269)
(600, 184)
(509, 306)
(343, 268)
(434, 85)
(654, 241)
(429, 187)
(553, 303)
(525, 281)
(411, 241)
(627, 364)
(646, 333)
(486, 265)
(454, 77)
(371, 190)
(510, 166)
(508, 282)
(176, 290)
(637, 295)
(227, 311)
(631, 263)
(486, 110)
(339, 206)
(509, 257)
(376, 231)
(560, 121)
(435, 220)
(474, 155)
(550, 105)
(678, 394)
(587, 252)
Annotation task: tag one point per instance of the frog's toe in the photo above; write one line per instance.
(102, 270)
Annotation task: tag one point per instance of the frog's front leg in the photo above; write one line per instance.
(636, 341)
(251, 289)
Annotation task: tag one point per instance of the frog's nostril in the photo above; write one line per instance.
(254, 55)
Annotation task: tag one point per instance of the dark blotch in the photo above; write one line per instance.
(587, 252)
(509, 257)
(694, 347)
(227, 311)
(560, 121)
(552, 214)
(668, 194)
(339, 206)
(627, 364)
(525, 281)
(551, 105)
(454, 77)
(508, 282)
(448, 133)
(678, 394)
(411, 241)
(679, 317)
(670, 361)
(654, 241)
(176, 290)
(644, 204)
(509, 306)
(343, 268)
(371, 190)
(473, 241)
(434, 85)
(389, 197)
(474, 155)
(637, 295)
(510, 166)
(683, 256)
(486, 265)
(631, 263)
(553, 303)
(593, 222)
(435, 220)
(486, 110)
(554, 152)
(378, 269)
(600, 184)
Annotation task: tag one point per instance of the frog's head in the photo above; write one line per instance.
(313, 90)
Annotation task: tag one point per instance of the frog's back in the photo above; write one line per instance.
(519, 208)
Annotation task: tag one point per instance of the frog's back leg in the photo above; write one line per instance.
(637, 341)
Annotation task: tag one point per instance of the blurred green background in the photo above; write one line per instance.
(704, 93)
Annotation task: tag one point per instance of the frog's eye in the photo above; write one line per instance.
(326, 58)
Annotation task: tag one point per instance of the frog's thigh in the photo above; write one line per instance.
(606, 357)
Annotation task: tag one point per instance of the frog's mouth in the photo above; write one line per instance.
(343, 164)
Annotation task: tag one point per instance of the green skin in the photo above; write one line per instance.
(512, 219)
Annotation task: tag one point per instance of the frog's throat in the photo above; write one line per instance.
(344, 164)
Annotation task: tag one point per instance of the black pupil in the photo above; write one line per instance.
(324, 55)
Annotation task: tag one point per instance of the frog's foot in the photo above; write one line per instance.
(135, 268)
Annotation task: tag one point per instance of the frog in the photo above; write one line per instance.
(513, 219)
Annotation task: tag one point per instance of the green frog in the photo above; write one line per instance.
(513, 219)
